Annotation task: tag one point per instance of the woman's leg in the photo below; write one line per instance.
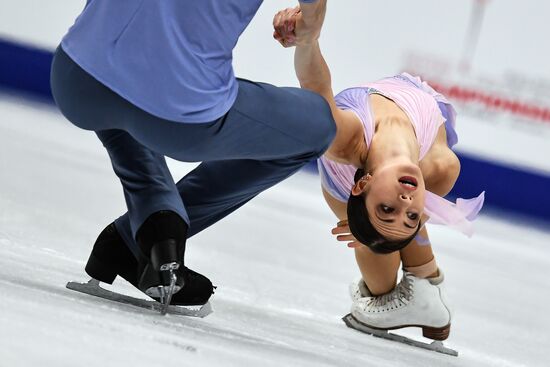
(418, 257)
(379, 271)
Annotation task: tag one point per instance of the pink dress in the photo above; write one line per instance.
(426, 110)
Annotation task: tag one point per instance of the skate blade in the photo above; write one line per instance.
(436, 345)
(93, 288)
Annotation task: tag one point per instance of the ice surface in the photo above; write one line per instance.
(282, 280)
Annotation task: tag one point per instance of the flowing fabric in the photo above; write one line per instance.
(459, 215)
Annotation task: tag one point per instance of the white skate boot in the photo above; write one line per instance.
(358, 289)
(413, 302)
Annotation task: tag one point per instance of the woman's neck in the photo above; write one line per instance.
(394, 139)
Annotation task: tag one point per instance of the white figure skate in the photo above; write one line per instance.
(413, 302)
(358, 289)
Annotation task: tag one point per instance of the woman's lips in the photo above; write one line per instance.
(408, 182)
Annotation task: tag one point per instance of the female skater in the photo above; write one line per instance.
(384, 177)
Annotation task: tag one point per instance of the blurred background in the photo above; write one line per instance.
(488, 57)
(282, 279)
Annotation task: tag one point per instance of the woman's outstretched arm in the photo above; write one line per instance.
(313, 74)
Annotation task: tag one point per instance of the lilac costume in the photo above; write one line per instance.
(427, 110)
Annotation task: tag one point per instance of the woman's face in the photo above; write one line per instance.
(394, 197)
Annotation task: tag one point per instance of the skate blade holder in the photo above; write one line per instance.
(166, 297)
(165, 292)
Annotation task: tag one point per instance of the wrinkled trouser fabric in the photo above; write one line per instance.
(268, 134)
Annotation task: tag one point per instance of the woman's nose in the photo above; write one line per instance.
(405, 197)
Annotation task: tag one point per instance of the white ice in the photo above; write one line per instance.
(282, 279)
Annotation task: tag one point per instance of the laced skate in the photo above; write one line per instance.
(413, 302)
(358, 289)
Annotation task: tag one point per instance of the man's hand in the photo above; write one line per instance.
(343, 234)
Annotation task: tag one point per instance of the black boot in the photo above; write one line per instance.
(111, 257)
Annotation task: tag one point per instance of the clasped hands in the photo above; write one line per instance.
(293, 28)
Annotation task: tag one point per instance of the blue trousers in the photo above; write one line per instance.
(267, 135)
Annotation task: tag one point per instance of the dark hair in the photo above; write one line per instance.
(363, 230)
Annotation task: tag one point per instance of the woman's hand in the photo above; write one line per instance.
(343, 234)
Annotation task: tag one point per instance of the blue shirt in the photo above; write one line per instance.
(171, 58)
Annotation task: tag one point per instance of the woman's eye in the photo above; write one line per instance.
(412, 216)
(386, 209)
